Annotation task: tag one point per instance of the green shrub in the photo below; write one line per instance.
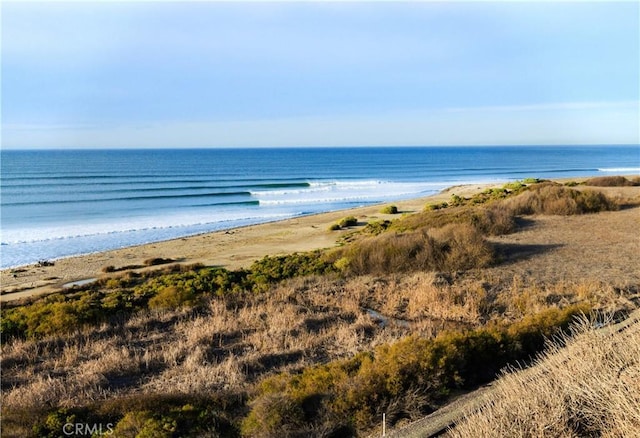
(456, 200)
(334, 227)
(349, 221)
(413, 375)
(273, 269)
(274, 415)
(212, 281)
(389, 209)
(517, 186)
(53, 314)
(173, 297)
(143, 425)
(54, 423)
(377, 227)
(170, 288)
(63, 313)
(489, 195)
(437, 206)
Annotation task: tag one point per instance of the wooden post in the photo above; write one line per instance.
(384, 424)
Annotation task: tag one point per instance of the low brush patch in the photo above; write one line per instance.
(554, 199)
(450, 248)
(404, 380)
(612, 181)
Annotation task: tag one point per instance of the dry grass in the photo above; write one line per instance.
(552, 199)
(612, 181)
(587, 385)
(233, 342)
(231, 345)
(226, 347)
(449, 248)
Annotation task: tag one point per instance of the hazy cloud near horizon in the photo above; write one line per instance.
(156, 74)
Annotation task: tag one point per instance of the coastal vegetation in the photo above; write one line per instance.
(389, 209)
(345, 222)
(612, 181)
(400, 317)
(589, 381)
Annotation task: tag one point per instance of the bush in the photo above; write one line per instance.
(270, 270)
(610, 181)
(410, 377)
(334, 227)
(274, 415)
(559, 200)
(172, 298)
(464, 248)
(157, 261)
(516, 186)
(455, 247)
(389, 209)
(142, 424)
(456, 200)
(377, 227)
(438, 206)
(494, 219)
(58, 313)
(52, 315)
(349, 221)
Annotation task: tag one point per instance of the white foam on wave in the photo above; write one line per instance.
(128, 225)
(319, 186)
(25, 252)
(23, 245)
(331, 192)
(619, 169)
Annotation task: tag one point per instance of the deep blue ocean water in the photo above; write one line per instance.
(61, 203)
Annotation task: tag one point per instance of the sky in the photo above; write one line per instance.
(252, 74)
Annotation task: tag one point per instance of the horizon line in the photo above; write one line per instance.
(107, 148)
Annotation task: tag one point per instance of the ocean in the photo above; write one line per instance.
(67, 202)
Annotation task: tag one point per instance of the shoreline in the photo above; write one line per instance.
(231, 248)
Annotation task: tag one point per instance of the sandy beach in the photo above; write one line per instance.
(232, 249)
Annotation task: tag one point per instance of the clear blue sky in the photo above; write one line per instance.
(210, 74)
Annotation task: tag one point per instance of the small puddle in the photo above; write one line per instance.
(79, 283)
